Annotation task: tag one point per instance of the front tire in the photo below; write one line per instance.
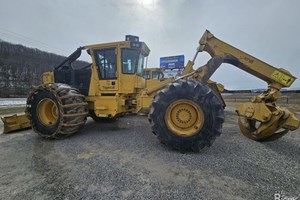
(56, 110)
(186, 115)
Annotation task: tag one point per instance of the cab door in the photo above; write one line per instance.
(106, 62)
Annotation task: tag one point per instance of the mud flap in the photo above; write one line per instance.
(15, 123)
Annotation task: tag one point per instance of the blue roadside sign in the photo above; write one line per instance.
(172, 62)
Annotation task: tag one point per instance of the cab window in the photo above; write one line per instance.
(146, 75)
(140, 67)
(132, 62)
(157, 75)
(129, 61)
(106, 63)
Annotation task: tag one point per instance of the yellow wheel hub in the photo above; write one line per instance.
(184, 118)
(47, 112)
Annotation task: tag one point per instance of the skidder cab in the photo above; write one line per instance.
(104, 89)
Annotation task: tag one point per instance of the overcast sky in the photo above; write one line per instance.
(268, 30)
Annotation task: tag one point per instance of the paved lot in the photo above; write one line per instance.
(124, 161)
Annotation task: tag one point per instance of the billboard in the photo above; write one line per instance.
(172, 73)
(172, 62)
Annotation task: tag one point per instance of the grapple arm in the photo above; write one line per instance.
(260, 119)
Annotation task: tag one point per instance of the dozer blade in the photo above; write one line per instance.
(15, 123)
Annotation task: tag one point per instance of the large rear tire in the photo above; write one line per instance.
(56, 110)
(186, 115)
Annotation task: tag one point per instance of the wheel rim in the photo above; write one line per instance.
(184, 118)
(47, 112)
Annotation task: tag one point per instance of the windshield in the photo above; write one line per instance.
(132, 62)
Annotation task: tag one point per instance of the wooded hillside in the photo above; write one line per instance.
(21, 68)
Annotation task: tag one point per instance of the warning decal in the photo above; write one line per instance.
(284, 79)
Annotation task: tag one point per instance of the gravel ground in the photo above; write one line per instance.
(123, 160)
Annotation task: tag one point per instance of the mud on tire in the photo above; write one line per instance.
(199, 96)
(68, 113)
